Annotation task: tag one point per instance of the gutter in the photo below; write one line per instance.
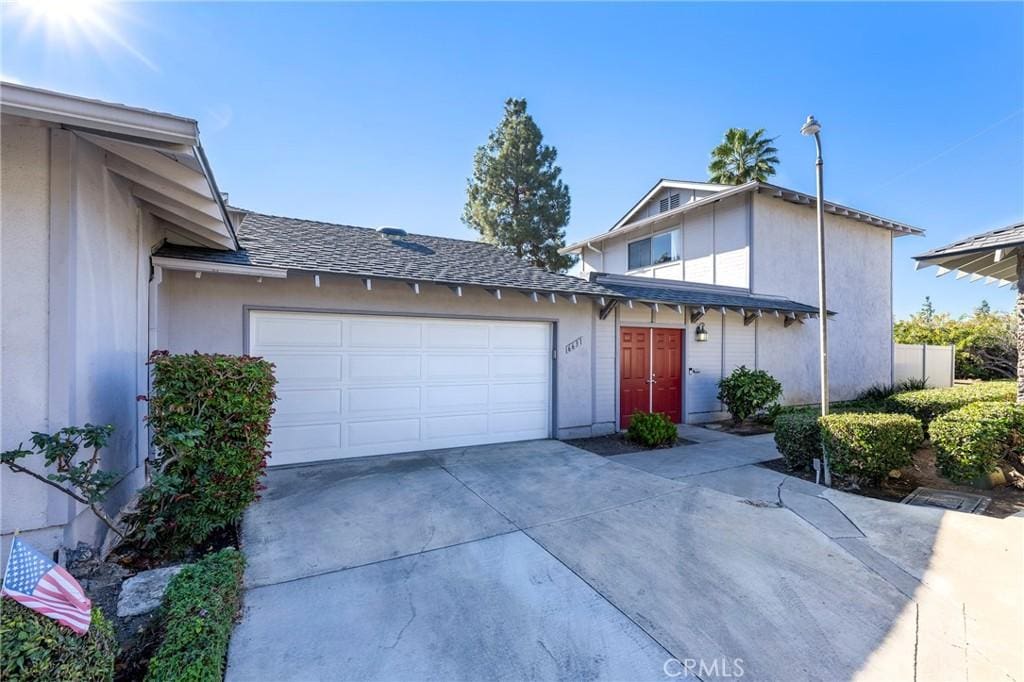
(217, 196)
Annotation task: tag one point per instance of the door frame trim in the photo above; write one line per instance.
(247, 309)
(650, 327)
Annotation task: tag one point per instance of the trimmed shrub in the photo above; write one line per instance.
(928, 404)
(970, 441)
(210, 416)
(746, 392)
(798, 438)
(198, 612)
(870, 445)
(651, 429)
(38, 648)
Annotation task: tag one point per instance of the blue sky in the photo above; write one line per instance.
(369, 114)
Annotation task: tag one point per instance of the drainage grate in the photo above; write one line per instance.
(948, 499)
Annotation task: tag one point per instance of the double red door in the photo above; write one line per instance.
(651, 372)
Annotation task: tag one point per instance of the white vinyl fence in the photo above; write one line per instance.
(919, 361)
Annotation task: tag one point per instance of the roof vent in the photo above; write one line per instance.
(391, 233)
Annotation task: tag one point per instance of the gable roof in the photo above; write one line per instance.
(665, 183)
(982, 255)
(269, 241)
(774, 191)
(159, 154)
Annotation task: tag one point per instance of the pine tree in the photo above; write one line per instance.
(516, 198)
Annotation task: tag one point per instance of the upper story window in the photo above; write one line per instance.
(661, 248)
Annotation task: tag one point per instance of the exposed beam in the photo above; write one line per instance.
(182, 210)
(653, 306)
(496, 293)
(191, 230)
(316, 281)
(552, 298)
(747, 319)
(415, 286)
(368, 283)
(678, 308)
(607, 309)
(697, 314)
(141, 176)
(457, 290)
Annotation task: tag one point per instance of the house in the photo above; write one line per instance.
(116, 242)
(743, 261)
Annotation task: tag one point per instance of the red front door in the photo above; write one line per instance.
(667, 373)
(634, 391)
(651, 372)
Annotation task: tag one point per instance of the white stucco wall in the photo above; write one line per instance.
(208, 315)
(859, 290)
(74, 335)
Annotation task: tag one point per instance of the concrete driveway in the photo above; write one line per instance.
(541, 561)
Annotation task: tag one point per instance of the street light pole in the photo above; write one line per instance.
(811, 127)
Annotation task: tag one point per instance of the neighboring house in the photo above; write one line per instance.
(89, 190)
(743, 259)
(117, 242)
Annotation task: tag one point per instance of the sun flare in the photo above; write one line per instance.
(68, 24)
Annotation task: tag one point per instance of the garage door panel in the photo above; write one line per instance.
(377, 333)
(308, 401)
(521, 337)
(453, 335)
(373, 368)
(533, 395)
(456, 397)
(456, 367)
(304, 437)
(533, 421)
(294, 333)
(382, 399)
(305, 368)
(520, 366)
(383, 432)
(455, 426)
(357, 385)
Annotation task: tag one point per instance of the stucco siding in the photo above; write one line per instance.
(24, 244)
(74, 333)
(858, 277)
(208, 315)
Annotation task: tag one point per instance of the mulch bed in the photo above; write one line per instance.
(747, 428)
(1006, 500)
(138, 636)
(617, 444)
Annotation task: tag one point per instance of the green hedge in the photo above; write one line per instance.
(930, 403)
(210, 416)
(970, 441)
(34, 647)
(651, 429)
(199, 610)
(870, 445)
(798, 438)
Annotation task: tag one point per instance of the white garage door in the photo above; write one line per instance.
(356, 385)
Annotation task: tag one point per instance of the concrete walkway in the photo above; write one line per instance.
(538, 560)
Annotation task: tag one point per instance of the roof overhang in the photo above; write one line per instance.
(774, 191)
(666, 184)
(991, 256)
(159, 154)
(199, 266)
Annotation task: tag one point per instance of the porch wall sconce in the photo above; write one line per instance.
(701, 334)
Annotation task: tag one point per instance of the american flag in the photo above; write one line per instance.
(41, 585)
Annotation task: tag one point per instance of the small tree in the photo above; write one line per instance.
(746, 392)
(516, 198)
(83, 481)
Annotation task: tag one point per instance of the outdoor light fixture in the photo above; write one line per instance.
(701, 333)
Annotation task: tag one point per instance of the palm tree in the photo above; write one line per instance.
(743, 157)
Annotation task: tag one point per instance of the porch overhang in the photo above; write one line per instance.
(991, 256)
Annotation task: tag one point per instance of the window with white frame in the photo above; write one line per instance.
(660, 248)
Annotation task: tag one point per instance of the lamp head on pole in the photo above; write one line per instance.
(810, 126)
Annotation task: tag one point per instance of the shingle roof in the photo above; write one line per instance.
(681, 293)
(291, 243)
(1011, 235)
